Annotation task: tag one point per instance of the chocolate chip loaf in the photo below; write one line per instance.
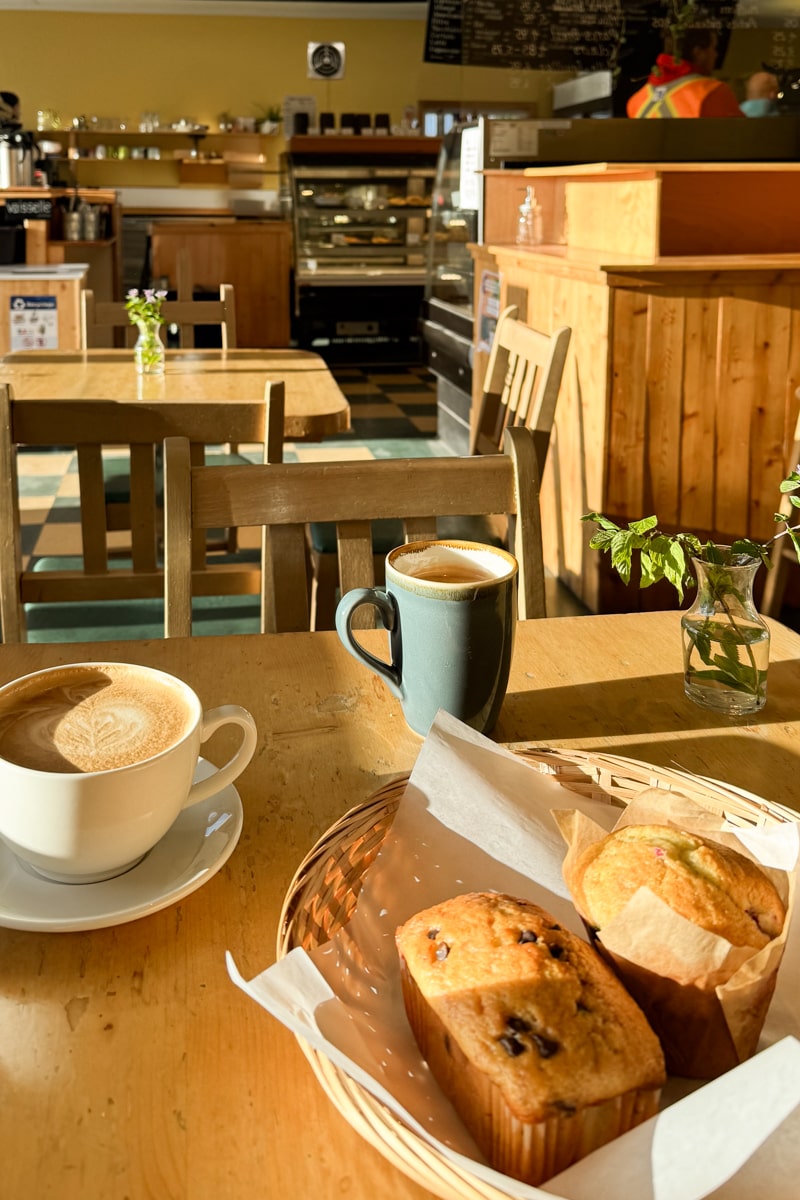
(540, 1049)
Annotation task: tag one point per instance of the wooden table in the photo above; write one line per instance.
(315, 405)
(133, 1067)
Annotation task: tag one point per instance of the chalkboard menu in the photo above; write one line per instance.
(545, 34)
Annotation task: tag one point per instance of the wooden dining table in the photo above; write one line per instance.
(131, 1065)
(316, 407)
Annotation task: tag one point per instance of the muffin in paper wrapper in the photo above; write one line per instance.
(705, 998)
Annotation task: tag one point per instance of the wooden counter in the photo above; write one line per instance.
(679, 392)
(253, 256)
(45, 243)
(63, 284)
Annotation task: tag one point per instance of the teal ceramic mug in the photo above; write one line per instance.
(450, 609)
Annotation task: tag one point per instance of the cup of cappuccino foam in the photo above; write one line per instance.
(450, 609)
(98, 759)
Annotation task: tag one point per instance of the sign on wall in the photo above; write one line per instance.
(33, 323)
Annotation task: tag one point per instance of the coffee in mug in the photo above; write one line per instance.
(96, 762)
(450, 609)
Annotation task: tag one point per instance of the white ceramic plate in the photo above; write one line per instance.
(199, 842)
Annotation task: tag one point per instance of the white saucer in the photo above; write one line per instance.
(199, 842)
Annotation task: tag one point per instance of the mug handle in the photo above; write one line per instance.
(212, 720)
(387, 612)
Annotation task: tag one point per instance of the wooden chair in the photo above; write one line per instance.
(521, 388)
(91, 425)
(521, 385)
(283, 498)
(99, 316)
(784, 558)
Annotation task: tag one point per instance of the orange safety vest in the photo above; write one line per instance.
(684, 97)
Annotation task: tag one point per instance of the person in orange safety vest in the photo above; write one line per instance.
(682, 85)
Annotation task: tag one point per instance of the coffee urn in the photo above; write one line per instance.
(18, 152)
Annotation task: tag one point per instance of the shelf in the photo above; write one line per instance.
(358, 147)
(82, 242)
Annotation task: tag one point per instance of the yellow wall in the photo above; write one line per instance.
(118, 65)
(197, 66)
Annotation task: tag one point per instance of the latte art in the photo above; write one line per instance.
(90, 719)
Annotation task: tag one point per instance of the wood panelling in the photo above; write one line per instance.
(253, 256)
(677, 400)
(614, 216)
(694, 222)
(67, 293)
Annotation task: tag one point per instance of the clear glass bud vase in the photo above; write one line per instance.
(148, 353)
(725, 640)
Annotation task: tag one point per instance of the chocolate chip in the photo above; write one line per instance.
(564, 1106)
(447, 1045)
(442, 951)
(512, 1046)
(556, 951)
(433, 934)
(517, 1025)
(546, 1046)
(581, 1007)
(556, 927)
(527, 935)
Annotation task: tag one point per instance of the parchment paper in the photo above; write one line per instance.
(475, 817)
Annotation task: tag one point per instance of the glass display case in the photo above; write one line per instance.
(447, 327)
(361, 216)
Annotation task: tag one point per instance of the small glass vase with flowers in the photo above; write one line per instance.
(144, 311)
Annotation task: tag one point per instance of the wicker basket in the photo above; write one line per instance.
(324, 892)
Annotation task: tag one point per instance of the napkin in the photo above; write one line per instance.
(475, 817)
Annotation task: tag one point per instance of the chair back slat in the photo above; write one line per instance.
(285, 591)
(283, 497)
(143, 511)
(12, 615)
(178, 547)
(356, 564)
(93, 507)
(784, 557)
(420, 529)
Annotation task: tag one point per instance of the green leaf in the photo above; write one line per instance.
(621, 551)
(601, 539)
(650, 569)
(600, 520)
(642, 526)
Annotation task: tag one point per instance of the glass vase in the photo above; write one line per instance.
(148, 353)
(725, 640)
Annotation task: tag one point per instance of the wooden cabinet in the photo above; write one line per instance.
(253, 256)
(21, 285)
(679, 393)
(46, 244)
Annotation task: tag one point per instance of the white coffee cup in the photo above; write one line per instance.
(96, 762)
